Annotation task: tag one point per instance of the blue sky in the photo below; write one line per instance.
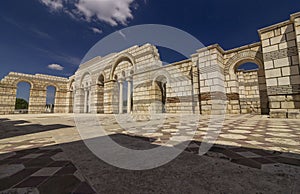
(35, 34)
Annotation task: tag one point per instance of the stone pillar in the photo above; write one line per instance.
(79, 100)
(196, 90)
(70, 102)
(296, 78)
(211, 73)
(242, 97)
(94, 99)
(111, 97)
(195, 85)
(100, 99)
(60, 104)
(37, 101)
(281, 62)
(121, 97)
(129, 96)
(7, 99)
(297, 31)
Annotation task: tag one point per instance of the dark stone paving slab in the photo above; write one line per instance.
(42, 174)
(239, 165)
(188, 173)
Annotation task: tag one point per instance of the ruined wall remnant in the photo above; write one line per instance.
(209, 82)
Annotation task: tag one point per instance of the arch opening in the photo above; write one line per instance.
(50, 99)
(247, 66)
(160, 94)
(85, 93)
(252, 87)
(22, 97)
(123, 74)
(100, 94)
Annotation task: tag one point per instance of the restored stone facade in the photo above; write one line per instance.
(38, 90)
(135, 81)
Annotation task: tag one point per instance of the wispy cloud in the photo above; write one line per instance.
(113, 12)
(122, 34)
(12, 22)
(58, 56)
(40, 33)
(55, 67)
(96, 30)
(29, 30)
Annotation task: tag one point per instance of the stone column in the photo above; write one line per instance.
(129, 96)
(87, 103)
(121, 97)
(85, 100)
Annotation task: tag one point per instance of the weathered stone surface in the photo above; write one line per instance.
(100, 85)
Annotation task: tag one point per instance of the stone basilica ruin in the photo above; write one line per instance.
(135, 81)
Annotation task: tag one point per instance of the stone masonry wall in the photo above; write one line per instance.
(207, 83)
(281, 61)
(249, 92)
(37, 99)
(211, 80)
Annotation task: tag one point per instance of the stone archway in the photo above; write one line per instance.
(121, 75)
(23, 89)
(85, 93)
(37, 99)
(250, 86)
(51, 98)
(123, 57)
(159, 86)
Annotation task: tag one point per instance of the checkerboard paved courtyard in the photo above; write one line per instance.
(251, 154)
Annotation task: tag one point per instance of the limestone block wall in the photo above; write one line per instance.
(202, 84)
(211, 80)
(7, 98)
(180, 94)
(100, 99)
(281, 61)
(235, 85)
(145, 93)
(130, 62)
(37, 99)
(249, 92)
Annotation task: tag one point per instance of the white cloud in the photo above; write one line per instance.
(113, 12)
(53, 4)
(56, 67)
(96, 30)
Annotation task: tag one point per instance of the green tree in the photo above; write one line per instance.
(21, 104)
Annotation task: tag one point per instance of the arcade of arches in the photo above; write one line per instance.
(135, 81)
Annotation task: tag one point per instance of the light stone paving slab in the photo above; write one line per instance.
(48, 171)
(232, 137)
